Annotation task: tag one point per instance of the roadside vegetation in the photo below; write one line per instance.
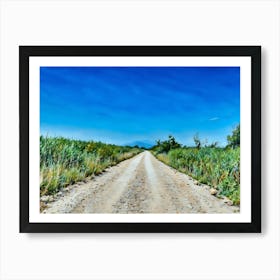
(64, 161)
(208, 164)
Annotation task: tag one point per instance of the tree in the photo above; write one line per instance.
(172, 142)
(213, 145)
(197, 141)
(234, 138)
(166, 146)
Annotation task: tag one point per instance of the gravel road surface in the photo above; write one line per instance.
(141, 184)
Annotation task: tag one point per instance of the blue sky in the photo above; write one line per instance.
(121, 105)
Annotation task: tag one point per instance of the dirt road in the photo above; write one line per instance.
(141, 184)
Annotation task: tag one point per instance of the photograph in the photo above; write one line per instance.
(139, 139)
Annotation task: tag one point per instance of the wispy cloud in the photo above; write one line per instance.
(214, 119)
(126, 104)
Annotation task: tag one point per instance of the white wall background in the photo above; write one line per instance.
(139, 256)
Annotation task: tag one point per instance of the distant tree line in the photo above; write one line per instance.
(171, 143)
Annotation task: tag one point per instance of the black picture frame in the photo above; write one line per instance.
(254, 52)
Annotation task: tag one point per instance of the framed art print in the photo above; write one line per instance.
(140, 138)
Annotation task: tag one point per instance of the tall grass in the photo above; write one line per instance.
(64, 161)
(217, 167)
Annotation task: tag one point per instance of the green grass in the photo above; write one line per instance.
(64, 161)
(217, 167)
